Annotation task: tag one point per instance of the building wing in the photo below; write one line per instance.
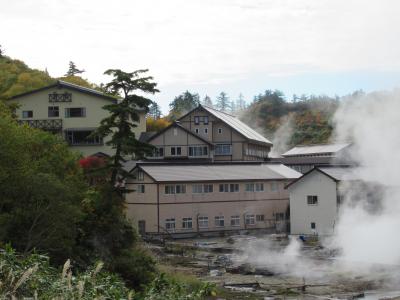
(238, 125)
(315, 149)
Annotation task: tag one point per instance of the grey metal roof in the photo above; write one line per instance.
(145, 136)
(315, 149)
(219, 172)
(341, 173)
(238, 125)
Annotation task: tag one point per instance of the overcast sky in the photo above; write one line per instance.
(208, 46)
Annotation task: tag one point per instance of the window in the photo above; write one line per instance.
(140, 175)
(313, 225)
(234, 187)
(250, 220)
(205, 120)
(140, 188)
(279, 216)
(75, 112)
(223, 149)
(82, 137)
(235, 220)
(259, 187)
(53, 111)
(208, 188)
(274, 186)
(158, 152)
(260, 218)
(224, 188)
(249, 187)
(198, 150)
(196, 130)
(175, 189)
(175, 131)
(197, 188)
(176, 151)
(196, 120)
(27, 114)
(312, 200)
(219, 130)
(170, 224)
(219, 221)
(187, 223)
(199, 119)
(206, 130)
(202, 222)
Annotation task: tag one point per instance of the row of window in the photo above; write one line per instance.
(219, 221)
(205, 130)
(209, 188)
(202, 119)
(54, 112)
(177, 151)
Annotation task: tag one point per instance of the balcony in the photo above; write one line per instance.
(45, 124)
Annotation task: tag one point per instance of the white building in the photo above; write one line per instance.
(315, 199)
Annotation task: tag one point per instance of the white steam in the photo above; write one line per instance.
(282, 136)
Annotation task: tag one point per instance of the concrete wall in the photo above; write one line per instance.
(191, 205)
(324, 214)
(38, 102)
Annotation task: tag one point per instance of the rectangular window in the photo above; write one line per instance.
(75, 112)
(82, 137)
(250, 220)
(140, 175)
(279, 216)
(196, 120)
(180, 189)
(169, 189)
(249, 187)
(235, 220)
(27, 114)
(203, 222)
(312, 200)
(274, 186)
(170, 224)
(53, 111)
(206, 130)
(197, 188)
(198, 150)
(313, 225)
(158, 152)
(187, 223)
(224, 188)
(196, 130)
(219, 221)
(140, 188)
(205, 120)
(234, 187)
(173, 151)
(259, 187)
(223, 149)
(260, 218)
(219, 130)
(208, 188)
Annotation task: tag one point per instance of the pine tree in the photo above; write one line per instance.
(123, 118)
(73, 70)
(155, 111)
(207, 101)
(223, 102)
(240, 103)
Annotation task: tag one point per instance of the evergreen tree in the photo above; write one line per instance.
(1, 51)
(73, 70)
(233, 107)
(240, 103)
(207, 101)
(223, 102)
(154, 110)
(183, 104)
(123, 117)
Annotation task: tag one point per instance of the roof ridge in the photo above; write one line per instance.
(223, 112)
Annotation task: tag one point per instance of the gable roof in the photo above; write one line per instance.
(235, 124)
(71, 86)
(315, 149)
(176, 124)
(218, 172)
(335, 173)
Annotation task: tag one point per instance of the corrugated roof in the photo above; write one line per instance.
(238, 125)
(219, 172)
(341, 173)
(315, 149)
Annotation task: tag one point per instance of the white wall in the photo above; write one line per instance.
(324, 214)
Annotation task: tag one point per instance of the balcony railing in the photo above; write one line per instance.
(45, 124)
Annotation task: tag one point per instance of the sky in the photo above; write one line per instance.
(330, 47)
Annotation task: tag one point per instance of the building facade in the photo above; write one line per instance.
(208, 197)
(227, 138)
(72, 111)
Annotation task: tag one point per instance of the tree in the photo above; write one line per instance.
(1, 51)
(207, 101)
(183, 104)
(223, 102)
(123, 118)
(240, 103)
(156, 124)
(154, 110)
(73, 70)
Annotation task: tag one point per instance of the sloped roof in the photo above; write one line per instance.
(237, 125)
(315, 149)
(64, 84)
(218, 172)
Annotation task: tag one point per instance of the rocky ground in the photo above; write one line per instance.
(269, 267)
